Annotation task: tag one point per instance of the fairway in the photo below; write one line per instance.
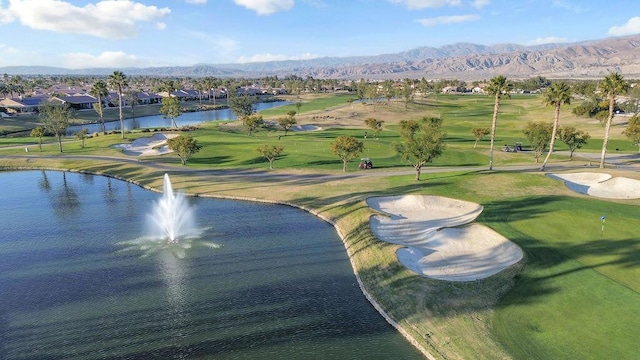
(575, 272)
(574, 295)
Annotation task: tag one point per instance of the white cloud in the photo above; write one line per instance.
(107, 18)
(5, 15)
(423, 4)
(223, 45)
(106, 59)
(547, 40)
(273, 57)
(266, 7)
(629, 28)
(316, 3)
(568, 5)
(454, 19)
(4, 49)
(479, 3)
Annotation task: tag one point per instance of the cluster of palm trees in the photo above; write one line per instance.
(556, 95)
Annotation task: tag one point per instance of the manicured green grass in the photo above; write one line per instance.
(318, 102)
(578, 295)
(574, 297)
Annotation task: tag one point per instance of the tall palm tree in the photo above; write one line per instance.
(497, 87)
(118, 80)
(555, 95)
(99, 90)
(210, 83)
(612, 85)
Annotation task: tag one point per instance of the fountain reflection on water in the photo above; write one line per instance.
(172, 227)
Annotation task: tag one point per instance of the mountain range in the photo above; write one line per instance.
(464, 61)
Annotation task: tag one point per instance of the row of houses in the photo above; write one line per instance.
(82, 100)
(85, 101)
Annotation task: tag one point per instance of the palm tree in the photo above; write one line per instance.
(497, 87)
(99, 89)
(118, 80)
(612, 85)
(210, 83)
(555, 95)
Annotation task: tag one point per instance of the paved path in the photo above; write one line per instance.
(630, 162)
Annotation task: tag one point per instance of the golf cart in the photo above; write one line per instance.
(365, 163)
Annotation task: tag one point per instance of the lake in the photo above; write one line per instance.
(158, 121)
(80, 280)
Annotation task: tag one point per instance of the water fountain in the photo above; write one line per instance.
(172, 216)
(268, 289)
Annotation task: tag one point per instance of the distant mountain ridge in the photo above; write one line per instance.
(465, 61)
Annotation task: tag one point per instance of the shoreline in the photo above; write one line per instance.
(376, 305)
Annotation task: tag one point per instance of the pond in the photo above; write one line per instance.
(78, 280)
(158, 121)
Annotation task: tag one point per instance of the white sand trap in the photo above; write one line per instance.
(305, 128)
(434, 248)
(601, 185)
(153, 145)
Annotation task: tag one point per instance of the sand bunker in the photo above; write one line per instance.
(305, 128)
(435, 246)
(601, 185)
(154, 145)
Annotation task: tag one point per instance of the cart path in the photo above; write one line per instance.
(621, 162)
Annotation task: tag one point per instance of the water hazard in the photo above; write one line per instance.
(158, 121)
(279, 286)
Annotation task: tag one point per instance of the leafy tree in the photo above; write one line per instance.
(291, 113)
(171, 109)
(497, 87)
(372, 95)
(286, 122)
(82, 135)
(118, 80)
(407, 93)
(298, 106)
(574, 138)
(184, 146)
(361, 89)
(632, 132)
(99, 90)
(557, 94)
(132, 99)
(585, 88)
(39, 133)
(422, 141)
(242, 106)
(387, 90)
(270, 152)
(535, 83)
(479, 133)
(612, 85)
(538, 134)
(347, 148)
(375, 125)
(56, 119)
(252, 122)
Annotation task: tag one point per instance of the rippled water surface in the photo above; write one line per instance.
(79, 279)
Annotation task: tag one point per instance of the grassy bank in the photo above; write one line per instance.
(574, 296)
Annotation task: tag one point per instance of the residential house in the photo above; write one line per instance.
(146, 98)
(81, 102)
(23, 105)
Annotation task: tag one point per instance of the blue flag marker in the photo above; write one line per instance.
(602, 218)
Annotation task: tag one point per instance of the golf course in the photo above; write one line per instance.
(574, 293)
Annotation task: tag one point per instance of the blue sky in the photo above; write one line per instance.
(141, 33)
